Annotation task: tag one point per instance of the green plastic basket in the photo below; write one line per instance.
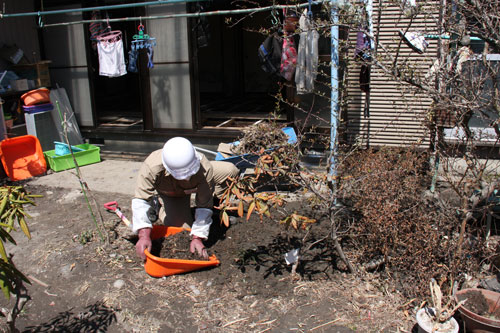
(90, 154)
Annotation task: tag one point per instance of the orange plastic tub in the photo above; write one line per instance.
(22, 157)
(37, 96)
(160, 267)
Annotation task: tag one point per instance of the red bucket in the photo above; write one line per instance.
(22, 157)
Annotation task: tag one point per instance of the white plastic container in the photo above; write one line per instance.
(425, 324)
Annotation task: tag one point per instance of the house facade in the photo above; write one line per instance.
(203, 78)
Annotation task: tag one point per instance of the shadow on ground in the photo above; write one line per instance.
(94, 318)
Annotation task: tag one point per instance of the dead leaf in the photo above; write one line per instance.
(240, 209)
(225, 219)
(250, 209)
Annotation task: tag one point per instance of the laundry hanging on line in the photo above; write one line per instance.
(307, 58)
(289, 50)
(363, 53)
(111, 54)
(269, 53)
(141, 41)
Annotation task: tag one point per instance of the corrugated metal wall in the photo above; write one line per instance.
(396, 111)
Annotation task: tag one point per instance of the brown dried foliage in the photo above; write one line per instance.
(260, 137)
(396, 222)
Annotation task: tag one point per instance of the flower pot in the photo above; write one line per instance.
(425, 324)
(483, 322)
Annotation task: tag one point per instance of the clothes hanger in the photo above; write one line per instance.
(274, 15)
(111, 36)
(142, 40)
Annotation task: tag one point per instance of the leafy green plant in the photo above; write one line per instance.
(13, 215)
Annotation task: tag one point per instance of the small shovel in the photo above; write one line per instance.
(113, 207)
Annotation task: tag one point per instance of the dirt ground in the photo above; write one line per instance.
(80, 284)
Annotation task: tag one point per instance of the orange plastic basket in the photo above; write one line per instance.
(37, 96)
(22, 157)
(160, 267)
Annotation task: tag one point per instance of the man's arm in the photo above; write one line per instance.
(141, 204)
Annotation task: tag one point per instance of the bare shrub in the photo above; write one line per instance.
(398, 225)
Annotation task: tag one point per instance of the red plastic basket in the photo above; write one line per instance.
(22, 157)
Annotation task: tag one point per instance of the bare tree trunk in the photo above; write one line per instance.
(338, 247)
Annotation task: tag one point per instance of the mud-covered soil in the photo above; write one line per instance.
(81, 284)
(477, 303)
(175, 246)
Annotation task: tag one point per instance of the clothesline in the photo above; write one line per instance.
(90, 9)
(198, 14)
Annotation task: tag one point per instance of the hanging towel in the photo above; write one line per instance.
(364, 85)
(307, 58)
(288, 58)
(269, 54)
(363, 53)
(132, 60)
(150, 52)
(111, 58)
(363, 47)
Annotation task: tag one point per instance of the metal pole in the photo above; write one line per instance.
(153, 3)
(206, 151)
(334, 94)
(88, 9)
(198, 14)
(369, 11)
(446, 36)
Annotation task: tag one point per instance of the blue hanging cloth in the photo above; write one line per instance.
(133, 54)
(150, 56)
(141, 41)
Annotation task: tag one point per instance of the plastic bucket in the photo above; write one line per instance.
(22, 157)
(160, 267)
(425, 324)
(63, 149)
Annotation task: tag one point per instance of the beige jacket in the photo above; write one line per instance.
(153, 178)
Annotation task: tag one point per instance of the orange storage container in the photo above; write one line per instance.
(22, 157)
(37, 96)
(160, 267)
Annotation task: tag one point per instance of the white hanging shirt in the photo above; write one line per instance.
(111, 58)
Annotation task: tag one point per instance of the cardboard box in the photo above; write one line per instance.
(38, 72)
(89, 155)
